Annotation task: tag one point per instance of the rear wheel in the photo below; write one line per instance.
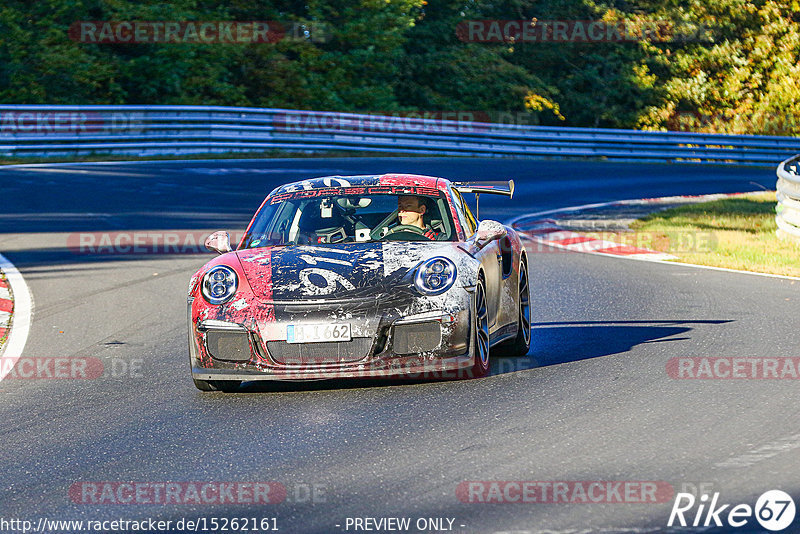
(217, 385)
(520, 345)
(480, 327)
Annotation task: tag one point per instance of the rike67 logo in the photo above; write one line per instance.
(774, 510)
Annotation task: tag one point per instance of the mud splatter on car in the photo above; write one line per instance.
(327, 283)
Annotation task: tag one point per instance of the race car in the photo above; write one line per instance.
(360, 276)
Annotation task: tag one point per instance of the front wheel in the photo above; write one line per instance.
(217, 385)
(480, 327)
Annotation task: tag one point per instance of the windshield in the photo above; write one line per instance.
(339, 216)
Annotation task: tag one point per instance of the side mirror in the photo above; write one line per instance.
(487, 232)
(219, 242)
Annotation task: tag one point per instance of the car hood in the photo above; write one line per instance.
(344, 271)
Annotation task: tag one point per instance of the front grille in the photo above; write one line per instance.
(416, 337)
(232, 346)
(319, 353)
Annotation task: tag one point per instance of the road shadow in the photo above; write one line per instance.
(563, 342)
(552, 344)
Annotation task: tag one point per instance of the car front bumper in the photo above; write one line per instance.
(387, 341)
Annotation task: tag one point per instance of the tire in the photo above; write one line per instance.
(217, 385)
(520, 345)
(480, 327)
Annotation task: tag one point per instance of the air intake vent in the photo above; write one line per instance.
(418, 337)
(319, 353)
(232, 346)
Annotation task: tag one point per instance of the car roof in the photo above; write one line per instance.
(324, 182)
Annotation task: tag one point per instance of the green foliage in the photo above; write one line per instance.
(728, 65)
(741, 78)
(440, 72)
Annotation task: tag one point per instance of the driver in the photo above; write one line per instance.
(411, 210)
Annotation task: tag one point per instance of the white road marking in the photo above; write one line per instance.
(23, 310)
(763, 452)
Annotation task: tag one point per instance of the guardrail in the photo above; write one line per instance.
(28, 130)
(787, 212)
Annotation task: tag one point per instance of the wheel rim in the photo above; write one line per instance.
(524, 305)
(482, 326)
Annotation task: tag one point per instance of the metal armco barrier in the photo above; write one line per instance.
(787, 212)
(27, 130)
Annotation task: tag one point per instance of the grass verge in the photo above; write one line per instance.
(736, 233)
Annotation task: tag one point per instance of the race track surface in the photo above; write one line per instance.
(592, 402)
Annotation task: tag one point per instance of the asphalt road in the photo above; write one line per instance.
(591, 402)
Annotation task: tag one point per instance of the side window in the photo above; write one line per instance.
(279, 231)
(470, 218)
(464, 214)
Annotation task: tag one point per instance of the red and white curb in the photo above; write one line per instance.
(16, 306)
(547, 232)
(6, 307)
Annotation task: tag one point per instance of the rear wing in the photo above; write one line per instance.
(493, 188)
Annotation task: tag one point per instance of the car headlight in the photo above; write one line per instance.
(219, 284)
(435, 276)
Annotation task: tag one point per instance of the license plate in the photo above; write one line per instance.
(317, 333)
